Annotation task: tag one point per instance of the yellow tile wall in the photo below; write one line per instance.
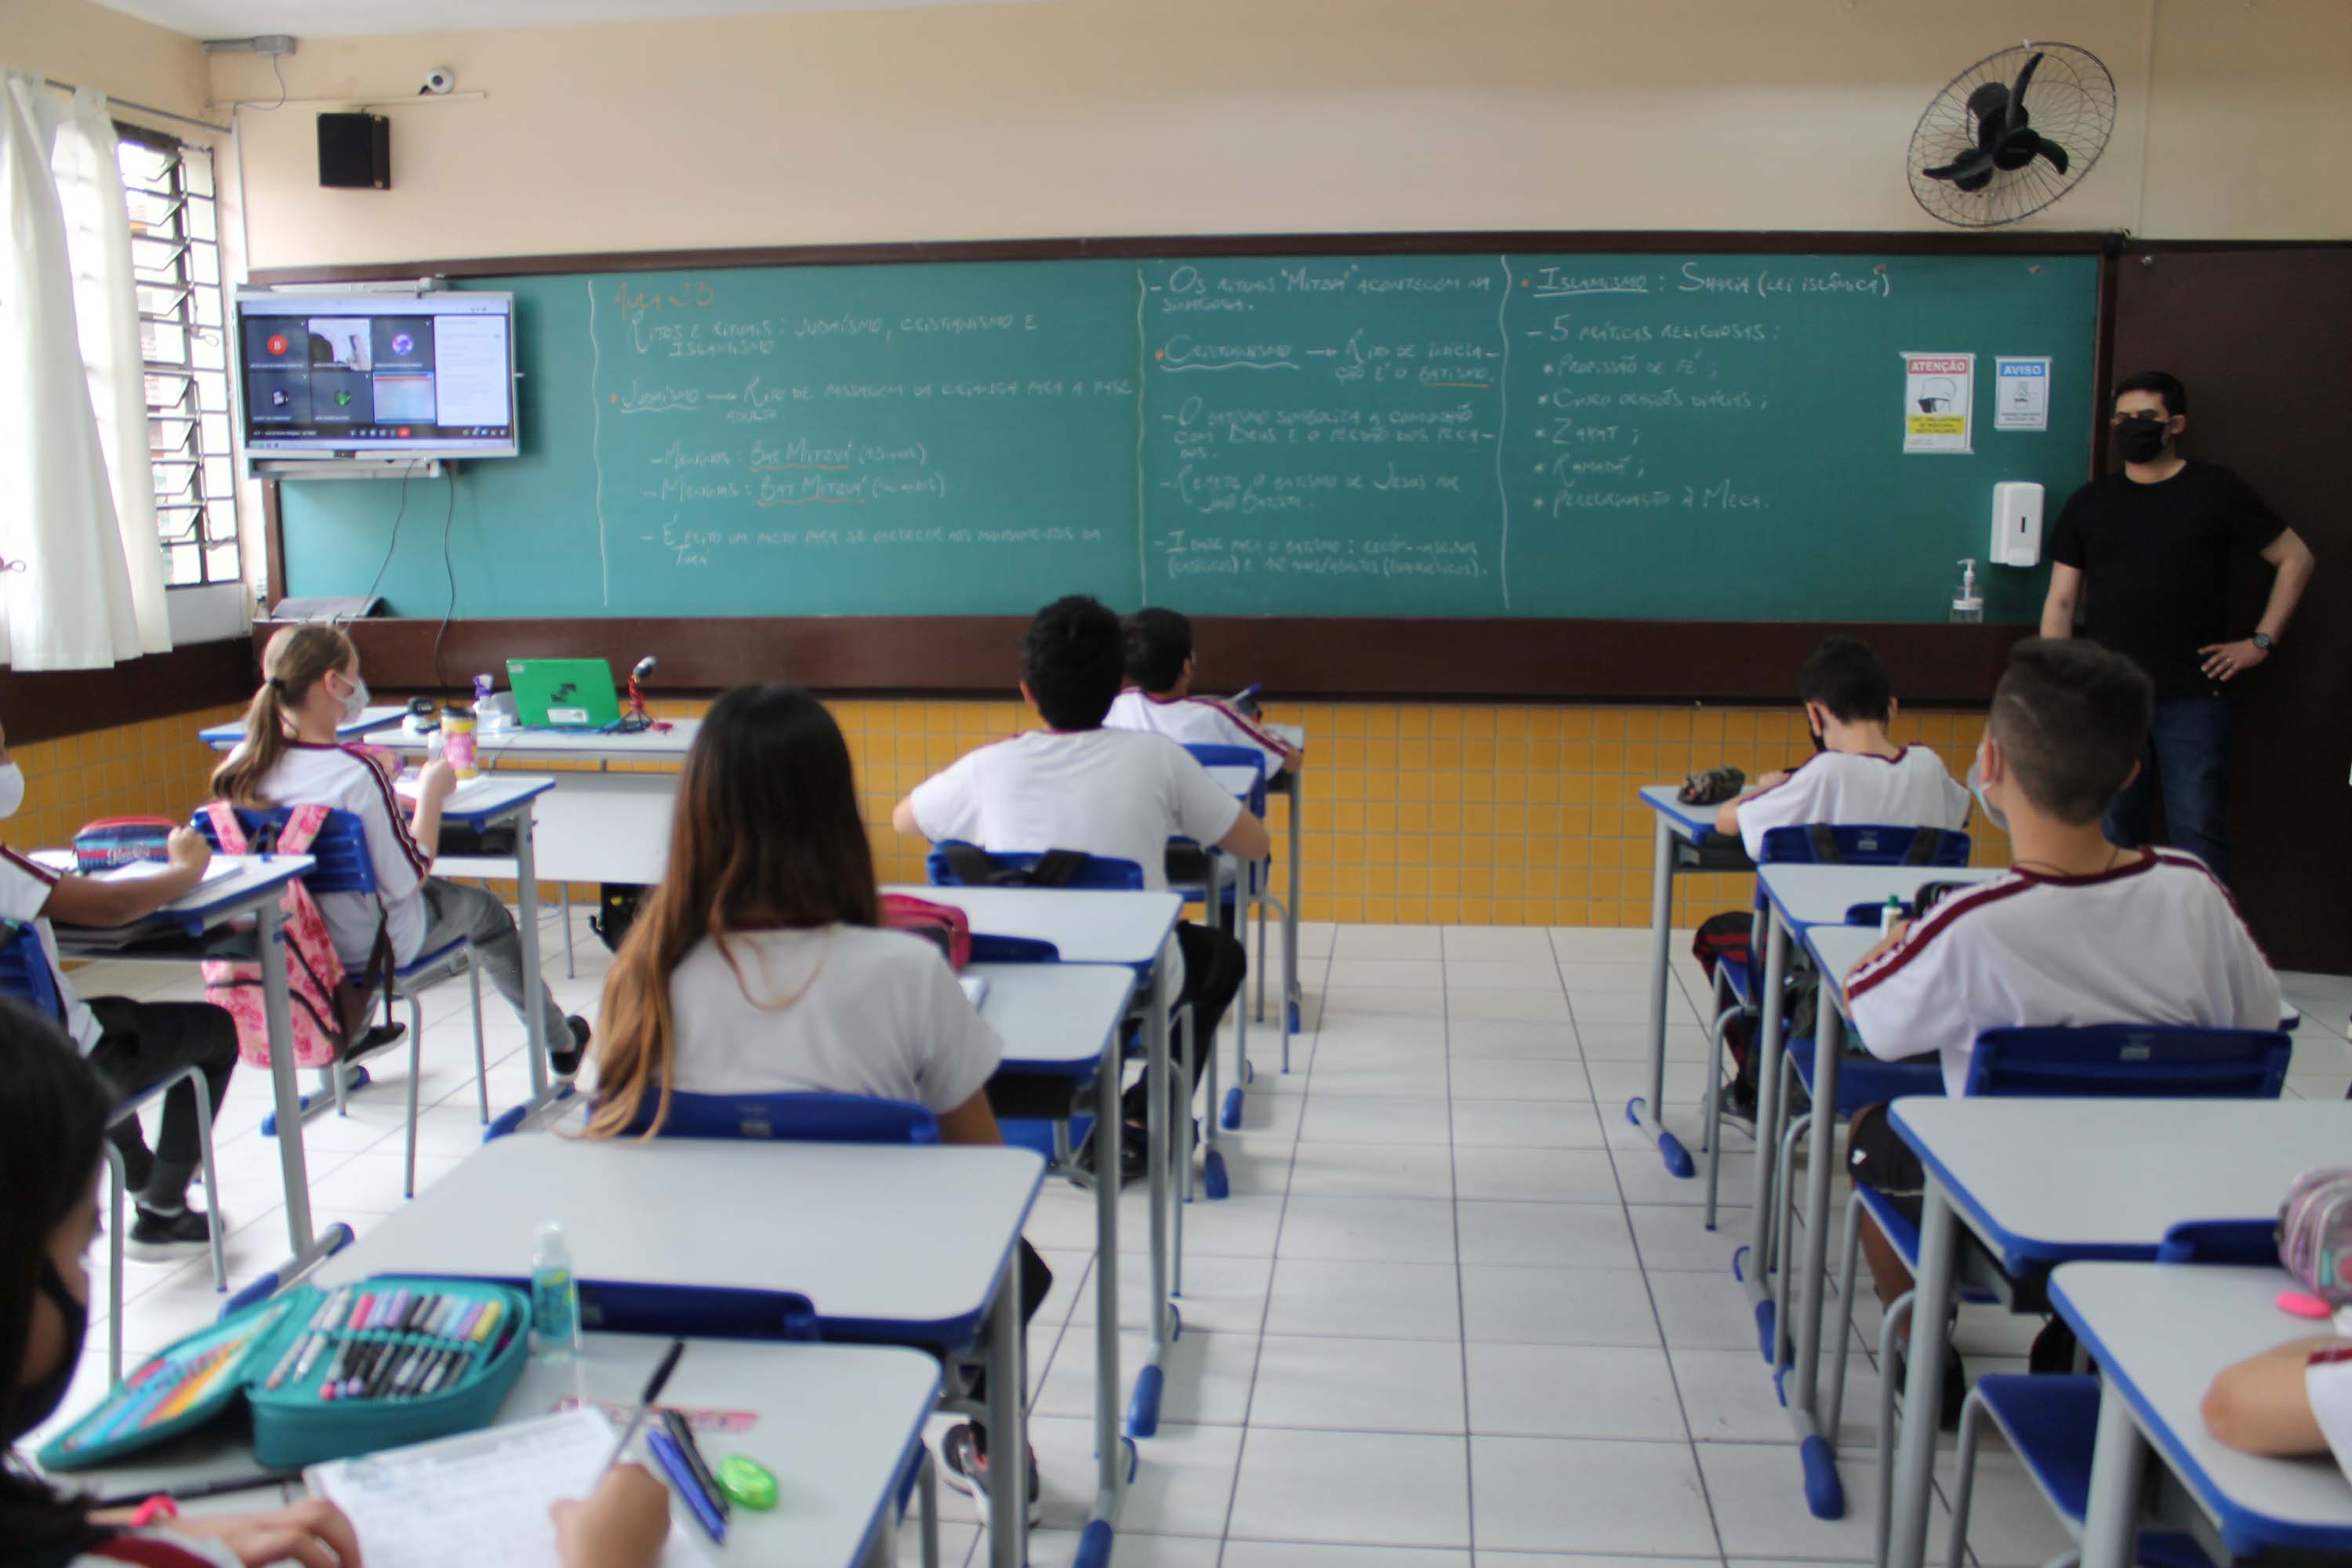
(1415, 813)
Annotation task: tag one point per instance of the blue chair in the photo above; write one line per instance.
(1737, 982)
(1230, 901)
(1099, 873)
(2104, 1061)
(2051, 1422)
(25, 977)
(344, 866)
(800, 1118)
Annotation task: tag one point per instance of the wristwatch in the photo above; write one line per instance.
(2261, 640)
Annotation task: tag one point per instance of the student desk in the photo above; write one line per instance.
(1063, 1020)
(1806, 903)
(1131, 930)
(2158, 1334)
(838, 1424)
(2046, 1182)
(903, 1245)
(194, 926)
(1686, 840)
(224, 737)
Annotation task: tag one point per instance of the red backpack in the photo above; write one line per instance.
(944, 925)
(329, 1009)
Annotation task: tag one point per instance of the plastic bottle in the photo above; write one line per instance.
(457, 727)
(1890, 914)
(554, 1298)
(1967, 605)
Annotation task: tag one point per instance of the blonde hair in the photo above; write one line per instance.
(295, 661)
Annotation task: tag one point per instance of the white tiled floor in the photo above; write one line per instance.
(1454, 1312)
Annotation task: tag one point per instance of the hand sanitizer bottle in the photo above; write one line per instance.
(1967, 605)
(554, 1298)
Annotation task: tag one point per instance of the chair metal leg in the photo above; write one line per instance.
(1180, 1151)
(1889, 1334)
(117, 1179)
(481, 1056)
(927, 1504)
(1717, 1049)
(1850, 1257)
(415, 1072)
(212, 1175)
(1784, 1230)
(1261, 952)
(338, 1077)
(1964, 1479)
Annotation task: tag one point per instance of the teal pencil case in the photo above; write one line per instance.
(326, 1373)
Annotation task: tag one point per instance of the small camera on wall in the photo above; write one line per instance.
(438, 81)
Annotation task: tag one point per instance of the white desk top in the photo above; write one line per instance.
(1238, 781)
(1054, 1017)
(2050, 1181)
(873, 1233)
(644, 746)
(834, 1423)
(1086, 925)
(2160, 1333)
(1694, 823)
(222, 737)
(488, 797)
(1808, 894)
(205, 905)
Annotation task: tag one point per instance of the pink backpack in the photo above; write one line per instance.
(2314, 1234)
(329, 1009)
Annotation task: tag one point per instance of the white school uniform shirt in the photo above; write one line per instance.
(2328, 1383)
(838, 1010)
(342, 778)
(1111, 792)
(24, 891)
(1194, 722)
(2155, 941)
(1911, 789)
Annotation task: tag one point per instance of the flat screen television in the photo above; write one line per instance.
(340, 376)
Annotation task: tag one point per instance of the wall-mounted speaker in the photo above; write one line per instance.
(355, 152)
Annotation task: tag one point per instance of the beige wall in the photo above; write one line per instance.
(89, 45)
(1207, 116)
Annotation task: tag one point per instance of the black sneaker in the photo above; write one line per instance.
(567, 1063)
(1955, 1391)
(1132, 1160)
(2053, 1350)
(1739, 1106)
(967, 1470)
(156, 1236)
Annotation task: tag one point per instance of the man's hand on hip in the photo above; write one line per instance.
(2225, 660)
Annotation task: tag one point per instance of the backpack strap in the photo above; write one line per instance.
(1057, 868)
(226, 828)
(1824, 838)
(1926, 845)
(969, 863)
(301, 828)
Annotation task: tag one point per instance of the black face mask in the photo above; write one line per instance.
(28, 1407)
(2139, 440)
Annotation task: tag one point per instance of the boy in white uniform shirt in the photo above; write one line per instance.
(1108, 793)
(2080, 932)
(1858, 775)
(1159, 698)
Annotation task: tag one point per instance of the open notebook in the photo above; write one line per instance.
(466, 789)
(480, 1498)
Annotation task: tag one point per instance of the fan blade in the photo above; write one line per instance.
(2052, 152)
(1988, 106)
(1974, 165)
(2015, 118)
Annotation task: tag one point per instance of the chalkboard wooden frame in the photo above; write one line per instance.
(1507, 659)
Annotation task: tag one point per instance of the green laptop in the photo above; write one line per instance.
(563, 693)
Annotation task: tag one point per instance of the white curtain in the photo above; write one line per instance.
(68, 592)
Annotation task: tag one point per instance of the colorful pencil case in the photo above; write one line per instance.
(327, 1375)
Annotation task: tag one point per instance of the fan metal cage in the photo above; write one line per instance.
(2071, 102)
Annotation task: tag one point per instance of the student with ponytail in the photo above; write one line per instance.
(291, 756)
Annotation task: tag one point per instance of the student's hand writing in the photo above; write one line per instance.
(436, 782)
(186, 850)
(313, 1533)
(622, 1524)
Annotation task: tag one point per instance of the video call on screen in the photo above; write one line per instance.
(378, 377)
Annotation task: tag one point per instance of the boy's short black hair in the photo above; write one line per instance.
(1844, 676)
(1072, 661)
(2071, 718)
(1157, 643)
(2164, 383)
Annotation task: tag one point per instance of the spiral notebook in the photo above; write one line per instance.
(481, 1497)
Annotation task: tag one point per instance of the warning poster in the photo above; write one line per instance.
(1938, 401)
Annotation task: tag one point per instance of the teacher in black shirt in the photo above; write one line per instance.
(2144, 554)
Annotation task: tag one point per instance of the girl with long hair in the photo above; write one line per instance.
(758, 966)
(292, 756)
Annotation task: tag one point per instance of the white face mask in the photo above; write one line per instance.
(12, 790)
(356, 700)
(1976, 787)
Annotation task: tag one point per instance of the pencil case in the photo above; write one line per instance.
(326, 1374)
(112, 841)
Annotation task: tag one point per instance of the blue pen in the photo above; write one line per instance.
(682, 1476)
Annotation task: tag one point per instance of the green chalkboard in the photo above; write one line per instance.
(1650, 437)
